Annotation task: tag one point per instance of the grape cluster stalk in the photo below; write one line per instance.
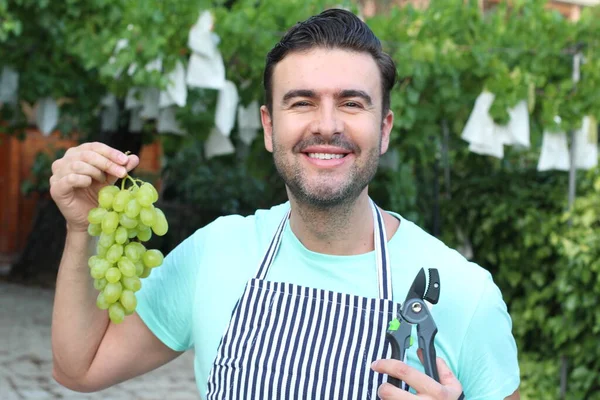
(123, 220)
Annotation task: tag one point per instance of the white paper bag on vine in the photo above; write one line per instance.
(586, 144)
(109, 120)
(9, 85)
(167, 123)
(480, 129)
(248, 119)
(136, 123)
(205, 69)
(206, 73)
(150, 100)
(227, 103)
(516, 132)
(46, 115)
(555, 152)
(133, 98)
(176, 91)
(199, 37)
(218, 144)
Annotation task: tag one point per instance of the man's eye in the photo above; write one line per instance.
(352, 104)
(301, 104)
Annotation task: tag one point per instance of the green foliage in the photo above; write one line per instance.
(547, 266)
(220, 189)
(41, 170)
(67, 50)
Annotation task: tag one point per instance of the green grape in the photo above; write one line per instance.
(116, 313)
(127, 222)
(121, 235)
(139, 268)
(96, 215)
(144, 195)
(161, 225)
(148, 215)
(114, 253)
(101, 250)
(144, 234)
(106, 239)
(128, 300)
(121, 200)
(112, 292)
(110, 222)
(93, 260)
(98, 271)
(107, 195)
(146, 273)
(101, 302)
(131, 233)
(152, 258)
(131, 283)
(134, 251)
(100, 284)
(113, 275)
(154, 193)
(127, 267)
(133, 208)
(94, 229)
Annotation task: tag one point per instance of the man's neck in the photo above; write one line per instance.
(343, 230)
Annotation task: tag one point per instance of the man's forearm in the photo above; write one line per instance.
(78, 326)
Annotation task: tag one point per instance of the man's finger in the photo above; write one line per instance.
(108, 152)
(388, 391)
(447, 377)
(132, 162)
(415, 379)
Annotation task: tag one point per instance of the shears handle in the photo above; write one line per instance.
(399, 342)
(426, 340)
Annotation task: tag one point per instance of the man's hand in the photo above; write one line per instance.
(449, 387)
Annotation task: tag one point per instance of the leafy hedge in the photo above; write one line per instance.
(546, 260)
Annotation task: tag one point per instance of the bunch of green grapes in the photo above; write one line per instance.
(124, 218)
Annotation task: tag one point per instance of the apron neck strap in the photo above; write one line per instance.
(381, 252)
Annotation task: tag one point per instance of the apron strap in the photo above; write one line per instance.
(269, 256)
(381, 252)
(384, 275)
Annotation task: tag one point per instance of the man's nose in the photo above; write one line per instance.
(327, 120)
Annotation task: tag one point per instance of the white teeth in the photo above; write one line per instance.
(325, 156)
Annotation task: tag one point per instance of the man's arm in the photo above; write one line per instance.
(90, 353)
(514, 396)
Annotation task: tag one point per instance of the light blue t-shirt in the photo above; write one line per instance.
(188, 301)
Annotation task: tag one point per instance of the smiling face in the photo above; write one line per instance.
(326, 130)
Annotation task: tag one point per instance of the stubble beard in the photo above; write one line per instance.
(325, 197)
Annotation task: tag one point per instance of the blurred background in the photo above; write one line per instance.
(494, 150)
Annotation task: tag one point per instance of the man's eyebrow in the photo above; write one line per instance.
(298, 93)
(344, 94)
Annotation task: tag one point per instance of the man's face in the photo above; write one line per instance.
(326, 131)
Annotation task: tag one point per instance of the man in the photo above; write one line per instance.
(292, 302)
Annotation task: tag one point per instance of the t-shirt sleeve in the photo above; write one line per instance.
(166, 299)
(489, 368)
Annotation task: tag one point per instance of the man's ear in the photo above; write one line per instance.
(267, 123)
(386, 129)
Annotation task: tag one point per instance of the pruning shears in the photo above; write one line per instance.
(415, 311)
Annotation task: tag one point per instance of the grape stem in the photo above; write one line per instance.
(134, 181)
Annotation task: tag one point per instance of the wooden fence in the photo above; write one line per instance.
(16, 159)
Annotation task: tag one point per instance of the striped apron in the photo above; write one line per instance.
(286, 341)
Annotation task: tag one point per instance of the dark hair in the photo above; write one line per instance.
(331, 29)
